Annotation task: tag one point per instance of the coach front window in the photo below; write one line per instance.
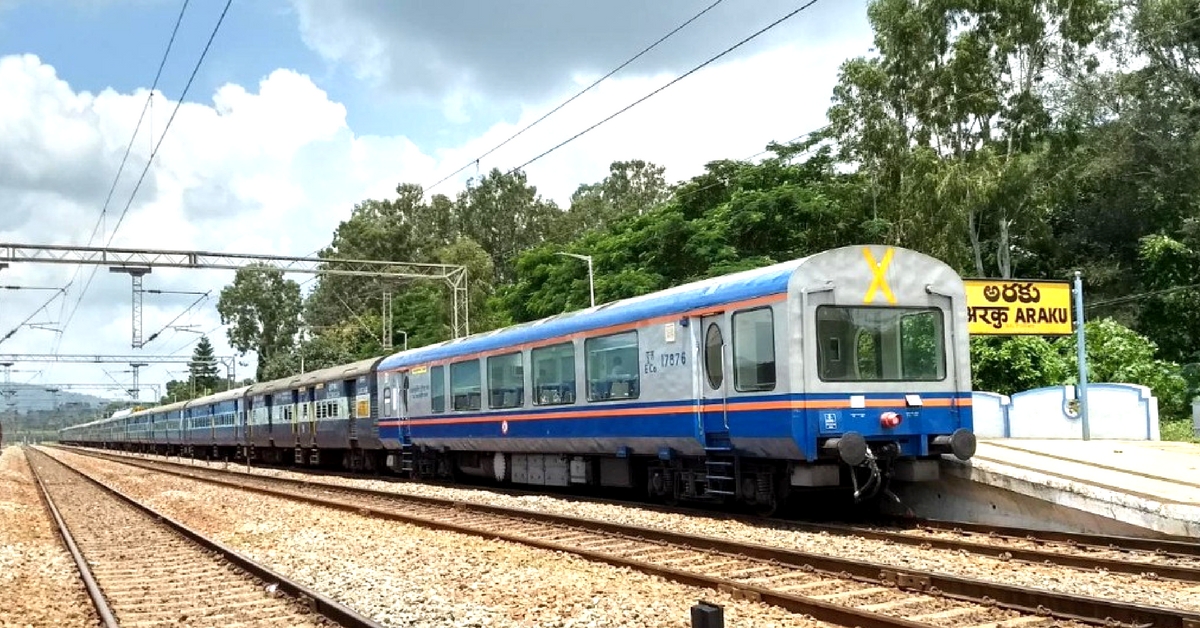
(860, 344)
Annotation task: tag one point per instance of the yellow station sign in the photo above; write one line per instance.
(1007, 307)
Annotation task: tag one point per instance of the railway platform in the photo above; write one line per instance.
(1121, 487)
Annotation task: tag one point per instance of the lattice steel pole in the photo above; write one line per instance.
(7, 392)
(462, 302)
(230, 369)
(386, 311)
(135, 261)
(136, 272)
(135, 392)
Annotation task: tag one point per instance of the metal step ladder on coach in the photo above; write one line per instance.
(408, 452)
(720, 465)
(407, 457)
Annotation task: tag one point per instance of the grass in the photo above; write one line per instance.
(1177, 430)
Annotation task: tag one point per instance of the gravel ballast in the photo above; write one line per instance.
(403, 575)
(1113, 586)
(39, 585)
(151, 575)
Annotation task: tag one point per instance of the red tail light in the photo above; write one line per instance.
(889, 419)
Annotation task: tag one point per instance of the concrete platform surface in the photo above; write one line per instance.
(1164, 471)
(1138, 488)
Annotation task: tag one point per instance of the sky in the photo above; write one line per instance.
(301, 108)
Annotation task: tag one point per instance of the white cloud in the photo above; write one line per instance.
(726, 111)
(269, 171)
(456, 50)
(274, 168)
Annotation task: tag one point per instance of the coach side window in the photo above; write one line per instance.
(754, 350)
(437, 388)
(464, 385)
(506, 381)
(612, 366)
(554, 374)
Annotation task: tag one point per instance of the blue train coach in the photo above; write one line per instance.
(845, 369)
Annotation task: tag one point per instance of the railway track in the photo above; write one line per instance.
(1120, 555)
(845, 592)
(1162, 558)
(141, 568)
(1171, 545)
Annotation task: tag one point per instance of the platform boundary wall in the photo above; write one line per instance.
(1115, 412)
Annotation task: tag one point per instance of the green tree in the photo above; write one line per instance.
(203, 367)
(504, 215)
(263, 311)
(938, 122)
(1118, 354)
(424, 312)
(632, 188)
(332, 347)
(734, 216)
(178, 390)
(1168, 313)
(402, 229)
(1012, 365)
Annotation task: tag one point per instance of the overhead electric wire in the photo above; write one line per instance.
(153, 153)
(577, 94)
(141, 117)
(10, 334)
(177, 317)
(195, 340)
(1143, 295)
(725, 181)
(672, 82)
(125, 158)
(167, 127)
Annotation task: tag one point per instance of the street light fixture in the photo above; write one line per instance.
(591, 278)
(405, 334)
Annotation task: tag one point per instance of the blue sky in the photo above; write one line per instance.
(329, 102)
(98, 44)
(118, 45)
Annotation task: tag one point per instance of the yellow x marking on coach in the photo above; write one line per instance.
(879, 280)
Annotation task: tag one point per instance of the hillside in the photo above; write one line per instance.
(33, 397)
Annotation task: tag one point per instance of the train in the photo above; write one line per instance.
(841, 371)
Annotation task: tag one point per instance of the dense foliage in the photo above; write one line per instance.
(1011, 138)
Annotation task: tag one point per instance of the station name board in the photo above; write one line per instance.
(1006, 307)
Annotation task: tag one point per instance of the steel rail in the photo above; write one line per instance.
(1171, 545)
(1025, 600)
(1115, 565)
(85, 572)
(1171, 548)
(818, 609)
(317, 602)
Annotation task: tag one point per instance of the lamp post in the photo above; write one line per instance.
(405, 334)
(591, 278)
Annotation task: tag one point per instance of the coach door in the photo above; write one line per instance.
(400, 396)
(713, 366)
(350, 394)
(307, 417)
(248, 419)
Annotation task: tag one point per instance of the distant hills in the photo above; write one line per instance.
(35, 397)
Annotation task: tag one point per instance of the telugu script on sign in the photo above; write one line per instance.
(1013, 307)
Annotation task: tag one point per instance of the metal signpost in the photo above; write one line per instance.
(1021, 307)
(1081, 356)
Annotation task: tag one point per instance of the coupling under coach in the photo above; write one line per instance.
(842, 370)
